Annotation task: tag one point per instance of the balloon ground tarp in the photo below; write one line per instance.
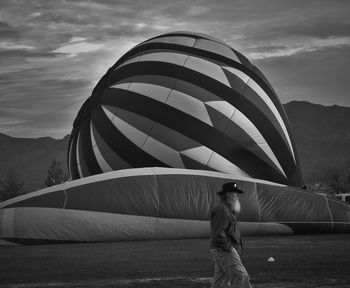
(162, 203)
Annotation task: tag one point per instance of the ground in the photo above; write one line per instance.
(300, 261)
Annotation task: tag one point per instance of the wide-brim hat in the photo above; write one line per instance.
(230, 187)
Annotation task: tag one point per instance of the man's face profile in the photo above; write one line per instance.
(232, 200)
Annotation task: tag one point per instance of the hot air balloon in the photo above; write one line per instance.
(171, 121)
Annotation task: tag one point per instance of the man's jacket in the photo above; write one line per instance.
(224, 229)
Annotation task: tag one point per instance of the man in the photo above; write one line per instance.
(226, 243)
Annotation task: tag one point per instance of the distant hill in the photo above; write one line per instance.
(322, 135)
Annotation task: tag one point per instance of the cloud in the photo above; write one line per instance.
(289, 48)
(35, 14)
(77, 39)
(37, 95)
(7, 31)
(54, 52)
(77, 48)
(15, 46)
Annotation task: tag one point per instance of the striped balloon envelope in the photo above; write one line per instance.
(184, 100)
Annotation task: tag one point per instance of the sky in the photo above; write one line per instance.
(52, 53)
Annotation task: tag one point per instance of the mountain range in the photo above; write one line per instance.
(321, 133)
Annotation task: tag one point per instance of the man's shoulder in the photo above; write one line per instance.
(221, 208)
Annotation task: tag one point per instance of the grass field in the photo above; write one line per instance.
(301, 261)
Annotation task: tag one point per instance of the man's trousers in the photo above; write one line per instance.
(229, 270)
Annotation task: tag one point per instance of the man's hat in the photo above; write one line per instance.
(229, 187)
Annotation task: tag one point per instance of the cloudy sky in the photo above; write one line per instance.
(52, 53)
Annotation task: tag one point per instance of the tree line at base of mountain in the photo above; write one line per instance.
(338, 181)
(12, 185)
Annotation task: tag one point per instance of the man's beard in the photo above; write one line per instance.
(236, 206)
